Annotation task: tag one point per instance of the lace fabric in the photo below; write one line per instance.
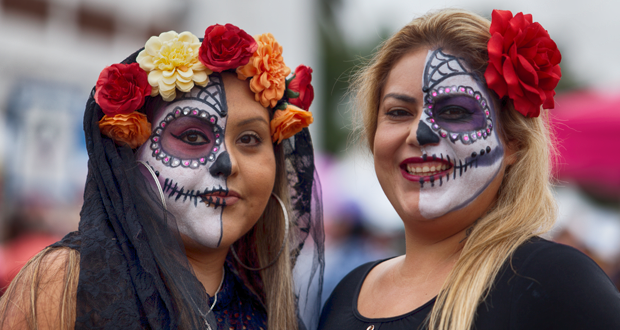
(134, 273)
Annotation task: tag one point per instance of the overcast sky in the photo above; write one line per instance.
(585, 31)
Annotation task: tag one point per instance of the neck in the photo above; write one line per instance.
(208, 266)
(432, 247)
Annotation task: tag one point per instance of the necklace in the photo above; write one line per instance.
(215, 297)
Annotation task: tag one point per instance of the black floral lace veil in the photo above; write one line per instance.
(134, 273)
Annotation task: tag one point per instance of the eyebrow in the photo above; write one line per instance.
(401, 97)
(251, 120)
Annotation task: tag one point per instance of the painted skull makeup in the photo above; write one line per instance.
(456, 130)
(188, 154)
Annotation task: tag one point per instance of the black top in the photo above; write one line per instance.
(553, 286)
(237, 307)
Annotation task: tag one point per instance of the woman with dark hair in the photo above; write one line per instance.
(453, 111)
(197, 206)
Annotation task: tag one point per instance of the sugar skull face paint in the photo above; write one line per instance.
(436, 149)
(187, 152)
(460, 115)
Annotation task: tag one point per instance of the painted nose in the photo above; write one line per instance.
(425, 135)
(222, 165)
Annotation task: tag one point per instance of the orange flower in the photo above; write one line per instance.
(286, 123)
(132, 129)
(268, 71)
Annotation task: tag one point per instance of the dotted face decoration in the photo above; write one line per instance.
(171, 160)
(466, 137)
(459, 112)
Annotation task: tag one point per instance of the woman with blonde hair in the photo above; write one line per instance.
(198, 207)
(453, 110)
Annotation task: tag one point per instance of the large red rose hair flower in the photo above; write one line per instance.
(226, 47)
(523, 62)
(121, 89)
(301, 87)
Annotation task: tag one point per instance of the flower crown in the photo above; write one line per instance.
(178, 61)
(523, 62)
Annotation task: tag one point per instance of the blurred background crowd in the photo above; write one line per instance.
(51, 53)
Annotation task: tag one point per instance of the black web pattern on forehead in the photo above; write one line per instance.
(440, 67)
(212, 94)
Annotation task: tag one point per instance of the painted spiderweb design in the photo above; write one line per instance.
(440, 67)
(212, 94)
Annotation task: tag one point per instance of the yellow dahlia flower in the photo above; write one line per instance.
(172, 62)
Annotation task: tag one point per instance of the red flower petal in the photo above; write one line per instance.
(525, 71)
(514, 89)
(522, 55)
(495, 81)
(499, 22)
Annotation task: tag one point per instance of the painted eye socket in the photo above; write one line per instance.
(459, 114)
(189, 137)
(193, 137)
(454, 113)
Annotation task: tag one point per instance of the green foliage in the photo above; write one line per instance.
(338, 59)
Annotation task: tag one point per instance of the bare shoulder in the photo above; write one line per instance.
(42, 295)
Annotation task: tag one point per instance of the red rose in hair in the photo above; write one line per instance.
(523, 62)
(121, 89)
(301, 84)
(226, 47)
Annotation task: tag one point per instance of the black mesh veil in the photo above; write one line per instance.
(308, 235)
(134, 273)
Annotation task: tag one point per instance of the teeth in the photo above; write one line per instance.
(425, 169)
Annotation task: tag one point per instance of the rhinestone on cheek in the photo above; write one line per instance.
(434, 94)
(215, 149)
(465, 137)
(212, 119)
